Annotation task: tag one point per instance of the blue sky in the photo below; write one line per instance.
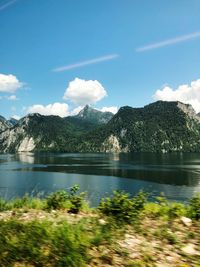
(133, 49)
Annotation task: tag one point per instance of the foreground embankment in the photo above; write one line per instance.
(62, 230)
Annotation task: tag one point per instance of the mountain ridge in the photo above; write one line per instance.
(158, 127)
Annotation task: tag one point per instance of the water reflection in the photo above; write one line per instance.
(175, 169)
(26, 157)
(177, 174)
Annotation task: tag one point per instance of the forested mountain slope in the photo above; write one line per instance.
(157, 127)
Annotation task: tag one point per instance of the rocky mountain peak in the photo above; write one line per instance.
(93, 115)
(25, 120)
(186, 108)
(85, 110)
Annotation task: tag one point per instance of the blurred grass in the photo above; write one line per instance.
(69, 242)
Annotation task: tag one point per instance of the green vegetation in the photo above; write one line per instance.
(122, 231)
(25, 202)
(166, 209)
(158, 127)
(122, 208)
(194, 207)
(62, 199)
(42, 244)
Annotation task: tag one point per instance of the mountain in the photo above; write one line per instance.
(157, 127)
(48, 133)
(89, 119)
(40, 133)
(4, 124)
(94, 116)
(12, 121)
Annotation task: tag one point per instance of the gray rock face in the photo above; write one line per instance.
(93, 115)
(15, 138)
(188, 109)
(4, 124)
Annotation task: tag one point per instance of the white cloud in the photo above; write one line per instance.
(186, 93)
(109, 109)
(167, 42)
(16, 117)
(12, 97)
(82, 92)
(86, 62)
(75, 111)
(9, 83)
(59, 109)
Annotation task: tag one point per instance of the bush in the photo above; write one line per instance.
(76, 200)
(194, 207)
(20, 202)
(57, 200)
(61, 199)
(123, 208)
(164, 208)
(176, 210)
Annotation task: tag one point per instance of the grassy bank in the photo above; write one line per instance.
(62, 230)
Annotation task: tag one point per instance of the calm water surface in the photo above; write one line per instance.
(176, 174)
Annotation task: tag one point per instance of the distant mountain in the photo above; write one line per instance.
(48, 133)
(4, 124)
(157, 127)
(40, 133)
(94, 116)
(12, 121)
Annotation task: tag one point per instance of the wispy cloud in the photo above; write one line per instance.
(4, 6)
(87, 62)
(12, 97)
(167, 42)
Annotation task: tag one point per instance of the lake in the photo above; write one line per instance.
(175, 174)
